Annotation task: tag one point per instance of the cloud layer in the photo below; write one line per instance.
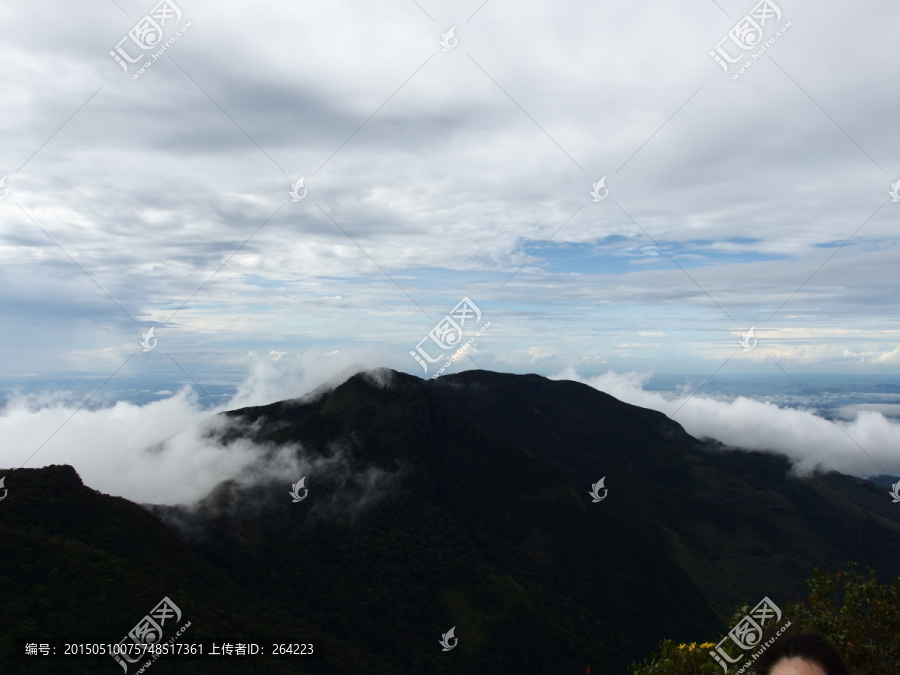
(865, 445)
(170, 451)
(433, 175)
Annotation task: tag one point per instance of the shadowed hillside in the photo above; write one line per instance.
(462, 501)
(83, 566)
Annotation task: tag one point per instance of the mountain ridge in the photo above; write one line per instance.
(464, 501)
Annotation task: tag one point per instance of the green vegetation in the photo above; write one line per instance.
(461, 501)
(860, 617)
(81, 566)
(856, 615)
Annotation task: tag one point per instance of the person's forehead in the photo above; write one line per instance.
(797, 666)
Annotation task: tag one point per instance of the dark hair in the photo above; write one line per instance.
(809, 647)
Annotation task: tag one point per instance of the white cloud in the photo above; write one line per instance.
(864, 446)
(165, 451)
(536, 353)
(158, 452)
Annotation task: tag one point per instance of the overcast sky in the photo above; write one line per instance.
(433, 172)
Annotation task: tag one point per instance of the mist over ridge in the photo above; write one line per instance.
(141, 451)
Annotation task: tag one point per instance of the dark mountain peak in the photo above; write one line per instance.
(55, 491)
(63, 476)
(467, 501)
(385, 403)
(522, 391)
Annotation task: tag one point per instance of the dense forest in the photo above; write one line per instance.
(457, 502)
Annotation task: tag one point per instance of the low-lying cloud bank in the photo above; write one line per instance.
(864, 446)
(170, 451)
(165, 452)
